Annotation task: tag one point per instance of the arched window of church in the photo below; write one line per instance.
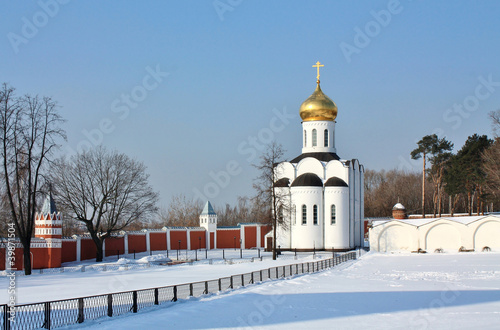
(305, 138)
(304, 214)
(315, 214)
(315, 138)
(280, 213)
(334, 215)
(294, 214)
(326, 138)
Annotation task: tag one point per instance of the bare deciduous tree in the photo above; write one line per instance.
(269, 195)
(182, 211)
(107, 191)
(29, 129)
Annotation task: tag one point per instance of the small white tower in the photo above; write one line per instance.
(208, 218)
(48, 222)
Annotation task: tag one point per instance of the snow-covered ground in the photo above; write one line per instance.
(379, 291)
(72, 284)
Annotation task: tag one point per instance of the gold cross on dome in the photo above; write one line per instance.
(318, 65)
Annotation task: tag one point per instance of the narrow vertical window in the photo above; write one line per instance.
(334, 215)
(326, 138)
(280, 214)
(294, 214)
(315, 214)
(315, 138)
(304, 214)
(305, 138)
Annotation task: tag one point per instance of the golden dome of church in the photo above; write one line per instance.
(318, 106)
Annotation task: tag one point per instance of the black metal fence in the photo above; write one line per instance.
(59, 313)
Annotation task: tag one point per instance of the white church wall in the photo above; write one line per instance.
(362, 206)
(487, 233)
(309, 235)
(320, 126)
(357, 202)
(443, 236)
(311, 165)
(449, 234)
(336, 235)
(337, 168)
(396, 237)
(285, 170)
(351, 183)
(283, 232)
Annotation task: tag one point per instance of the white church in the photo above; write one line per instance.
(324, 192)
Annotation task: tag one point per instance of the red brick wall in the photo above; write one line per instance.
(263, 232)
(212, 241)
(2, 258)
(196, 243)
(175, 237)
(158, 241)
(68, 252)
(250, 237)
(88, 249)
(114, 246)
(137, 243)
(225, 239)
(39, 258)
(54, 256)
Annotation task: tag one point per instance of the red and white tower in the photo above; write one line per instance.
(48, 222)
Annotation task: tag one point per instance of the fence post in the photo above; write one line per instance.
(259, 252)
(223, 256)
(110, 305)
(251, 278)
(269, 273)
(174, 299)
(134, 254)
(291, 271)
(196, 255)
(191, 289)
(6, 320)
(156, 297)
(220, 285)
(46, 307)
(206, 287)
(308, 267)
(284, 271)
(242, 280)
(276, 272)
(81, 315)
(134, 302)
(206, 253)
(231, 283)
(260, 275)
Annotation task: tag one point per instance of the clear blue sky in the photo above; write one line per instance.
(225, 65)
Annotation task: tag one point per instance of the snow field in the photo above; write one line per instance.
(379, 291)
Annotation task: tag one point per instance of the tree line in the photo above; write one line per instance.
(467, 181)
